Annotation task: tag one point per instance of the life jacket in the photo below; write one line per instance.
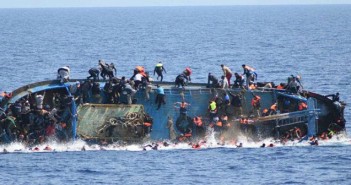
(197, 121)
(274, 107)
(302, 106)
(213, 106)
(265, 111)
(146, 124)
(196, 146)
(187, 135)
(159, 66)
(280, 87)
(244, 121)
(255, 102)
(63, 125)
(219, 124)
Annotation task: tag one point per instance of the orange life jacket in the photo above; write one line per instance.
(280, 87)
(274, 107)
(219, 124)
(302, 106)
(197, 121)
(255, 101)
(265, 111)
(147, 124)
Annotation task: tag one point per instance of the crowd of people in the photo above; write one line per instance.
(30, 120)
(33, 120)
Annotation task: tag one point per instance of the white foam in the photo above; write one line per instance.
(209, 142)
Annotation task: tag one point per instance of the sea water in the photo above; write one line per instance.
(278, 41)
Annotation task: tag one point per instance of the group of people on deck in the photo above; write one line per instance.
(122, 90)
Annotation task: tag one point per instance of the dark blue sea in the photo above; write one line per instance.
(278, 41)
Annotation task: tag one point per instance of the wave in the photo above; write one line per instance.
(208, 143)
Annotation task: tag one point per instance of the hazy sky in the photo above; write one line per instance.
(123, 3)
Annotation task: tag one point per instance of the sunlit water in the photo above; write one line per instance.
(313, 41)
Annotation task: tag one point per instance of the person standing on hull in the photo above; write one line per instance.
(107, 70)
(183, 78)
(227, 73)
(111, 69)
(249, 72)
(159, 69)
(214, 80)
(63, 74)
(94, 73)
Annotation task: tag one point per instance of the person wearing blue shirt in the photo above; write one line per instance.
(160, 97)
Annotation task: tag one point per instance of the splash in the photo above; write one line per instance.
(209, 142)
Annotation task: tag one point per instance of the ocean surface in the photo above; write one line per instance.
(279, 41)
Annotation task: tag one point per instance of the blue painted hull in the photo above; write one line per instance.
(198, 96)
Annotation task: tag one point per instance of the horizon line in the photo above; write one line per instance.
(150, 6)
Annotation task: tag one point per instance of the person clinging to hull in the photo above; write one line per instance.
(160, 96)
(159, 69)
(256, 105)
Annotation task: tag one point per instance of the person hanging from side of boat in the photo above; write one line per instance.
(159, 69)
(199, 126)
(256, 105)
(227, 73)
(170, 126)
(236, 103)
(63, 74)
(183, 110)
(273, 109)
(160, 97)
(212, 108)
